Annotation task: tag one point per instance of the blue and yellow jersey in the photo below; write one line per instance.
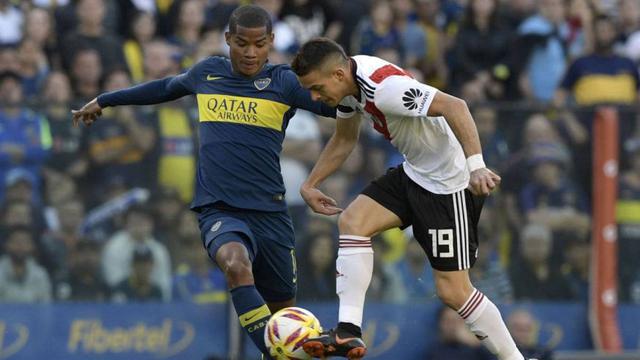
(242, 127)
(596, 79)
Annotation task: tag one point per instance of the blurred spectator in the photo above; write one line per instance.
(21, 185)
(535, 277)
(386, 280)
(139, 286)
(186, 34)
(316, 273)
(516, 11)
(86, 73)
(495, 149)
(62, 237)
(141, 32)
(541, 139)
(11, 19)
(9, 59)
(24, 136)
(284, 39)
(16, 213)
(67, 154)
(551, 198)
(455, 342)
(488, 274)
(84, 280)
(117, 256)
(197, 280)
(434, 66)
(414, 39)
(119, 143)
(628, 219)
(90, 32)
(22, 279)
(479, 51)
(173, 155)
(543, 37)
(182, 247)
(39, 29)
(311, 18)
(577, 269)
(34, 68)
(416, 273)
(580, 21)
(168, 209)
(218, 14)
(524, 330)
(376, 31)
(628, 40)
(601, 76)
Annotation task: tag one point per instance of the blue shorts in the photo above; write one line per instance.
(269, 239)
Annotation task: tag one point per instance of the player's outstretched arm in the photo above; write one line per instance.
(333, 155)
(152, 92)
(458, 116)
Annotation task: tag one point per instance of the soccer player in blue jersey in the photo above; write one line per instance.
(244, 107)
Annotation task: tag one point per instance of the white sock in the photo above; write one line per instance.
(484, 320)
(354, 267)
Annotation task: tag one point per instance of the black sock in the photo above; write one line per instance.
(348, 330)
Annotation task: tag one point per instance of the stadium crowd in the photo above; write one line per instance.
(101, 213)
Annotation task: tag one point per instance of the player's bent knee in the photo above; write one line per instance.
(237, 272)
(235, 264)
(352, 223)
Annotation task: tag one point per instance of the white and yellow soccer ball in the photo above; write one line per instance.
(287, 330)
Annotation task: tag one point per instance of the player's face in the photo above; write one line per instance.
(326, 85)
(249, 49)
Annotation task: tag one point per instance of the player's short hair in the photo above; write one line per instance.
(249, 16)
(315, 53)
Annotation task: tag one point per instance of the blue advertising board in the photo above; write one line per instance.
(189, 331)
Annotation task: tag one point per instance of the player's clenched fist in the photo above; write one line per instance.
(87, 114)
(483, 181)
(319, 202)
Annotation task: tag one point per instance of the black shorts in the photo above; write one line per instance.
(445, 225)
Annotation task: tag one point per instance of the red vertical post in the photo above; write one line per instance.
(604, 294)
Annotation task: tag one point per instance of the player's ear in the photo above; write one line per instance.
(271, 38)
(339, 73)
(227, 38)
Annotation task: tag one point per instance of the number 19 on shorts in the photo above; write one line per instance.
(442, 242)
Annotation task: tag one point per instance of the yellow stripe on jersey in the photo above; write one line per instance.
(241, 110)
(628, 212)
(593, 89)
(254, 315)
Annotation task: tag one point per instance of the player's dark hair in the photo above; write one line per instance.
(249, 16)
(313, 55)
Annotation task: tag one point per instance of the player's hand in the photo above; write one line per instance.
(318, 201)
(483, 181)
(88, 114)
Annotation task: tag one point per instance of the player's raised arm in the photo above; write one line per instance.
(152, 92)
(333, 155)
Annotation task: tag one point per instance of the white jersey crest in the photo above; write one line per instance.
(397, 106)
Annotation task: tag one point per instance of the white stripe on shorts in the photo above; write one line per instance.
(456, 218)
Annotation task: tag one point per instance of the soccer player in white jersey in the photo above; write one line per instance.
(439, 189)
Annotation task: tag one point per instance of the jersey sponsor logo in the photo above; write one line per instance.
(410, 97)
(261, 84)
(211, 77)
(241, 110)
(215, 227)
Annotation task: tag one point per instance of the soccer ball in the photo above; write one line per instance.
(287, 330)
